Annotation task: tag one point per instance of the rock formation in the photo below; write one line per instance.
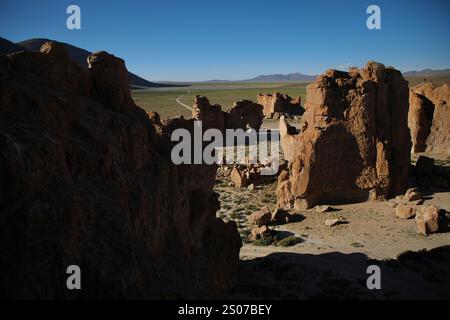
(278, 103)
(86, 179)
(428, 118)
(354, 139)
(244, 114)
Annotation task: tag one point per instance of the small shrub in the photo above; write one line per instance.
(357, 245)
(265, 241)
(235, 215)
(289, 241)
(245, 234)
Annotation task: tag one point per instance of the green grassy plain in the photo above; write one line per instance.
(164, 101)
(436, 79)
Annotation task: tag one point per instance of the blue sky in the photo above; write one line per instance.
(238, 39)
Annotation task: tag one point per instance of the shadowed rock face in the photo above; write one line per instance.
(428, 118)
(86, 179)
(354, 138)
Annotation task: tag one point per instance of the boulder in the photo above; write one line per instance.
(260, 232)
(354, 138)
(261, 217)
(427, 220)
(239, 178)
(322, 209)
(403, 211)
(300, 204)
(413, 194)
(281, 216)
(428, 118)
(332, 222)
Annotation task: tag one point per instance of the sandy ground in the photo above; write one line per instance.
(371, 229)
(331, 262)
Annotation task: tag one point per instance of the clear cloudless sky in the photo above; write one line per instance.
(239, 39)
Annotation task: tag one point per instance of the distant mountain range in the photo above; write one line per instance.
(79, 55)
(427, 73)
(283, 78)
(299, 77)
(290, 77)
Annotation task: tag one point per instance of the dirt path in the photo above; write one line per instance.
(182, 104)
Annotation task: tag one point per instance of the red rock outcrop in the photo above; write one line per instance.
(278, 103)
(354, 139)
(272, 103)
(428, 118)
(297, 102)
(244, 114)
(86, 179)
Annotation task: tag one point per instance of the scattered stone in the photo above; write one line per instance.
(260, 232)
(322, 209)
(281, 216)
(261, 217)
(418, 202)
(413, 194)
(401, 199)
(332, 222)
(373, 195)
(300, 204)
(239, 178)
(393, 203)
(427, 220)
(403, 211)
